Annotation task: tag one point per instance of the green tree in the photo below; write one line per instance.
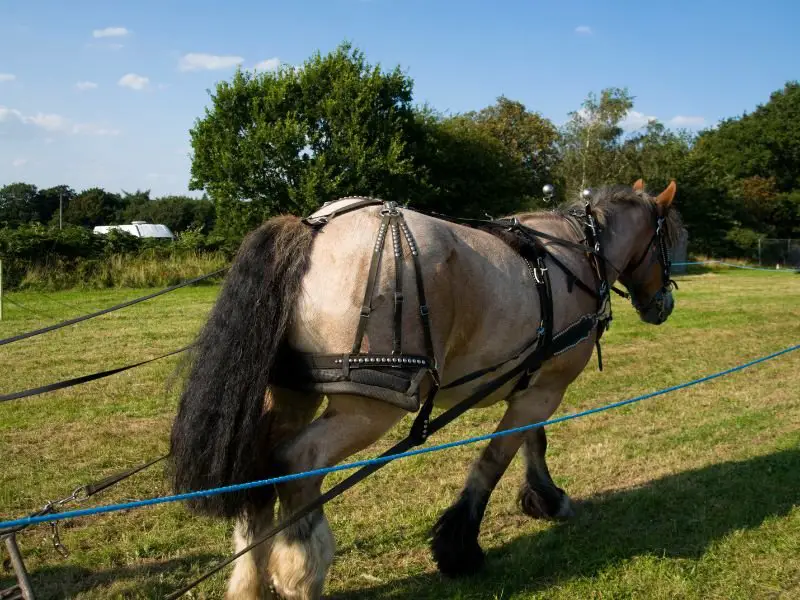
(18, 204)
(48, 201)
(468, 169)
(655, 154)
(290, 140)
(527, 137)
(590, 142)
(759, 155)
(94, 206)
(764, 143)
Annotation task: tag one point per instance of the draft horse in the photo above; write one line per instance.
(307, 312)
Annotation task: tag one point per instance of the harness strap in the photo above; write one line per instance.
(397, 342)
(366, 306)
(423, 303)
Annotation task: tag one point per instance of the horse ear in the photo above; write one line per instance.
(666, 197)
(638, 186)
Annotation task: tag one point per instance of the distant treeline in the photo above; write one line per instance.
(289, 140)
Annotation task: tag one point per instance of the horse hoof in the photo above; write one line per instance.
(455, 545)
(544, 503)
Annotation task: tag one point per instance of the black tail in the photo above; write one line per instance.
(214, 435)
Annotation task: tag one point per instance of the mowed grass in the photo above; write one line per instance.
(694, 494)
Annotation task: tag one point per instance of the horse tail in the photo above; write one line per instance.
(221, 414)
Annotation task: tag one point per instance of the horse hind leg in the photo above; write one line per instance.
(249, 577)
(291, 412)
(539, 496)
(302, 553)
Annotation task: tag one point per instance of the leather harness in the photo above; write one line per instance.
(395, 376)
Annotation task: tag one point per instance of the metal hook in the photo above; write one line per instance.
(59, 547)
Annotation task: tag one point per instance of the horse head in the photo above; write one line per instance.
(646, 274)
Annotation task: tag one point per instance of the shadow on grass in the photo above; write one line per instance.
(677, 516)
(148, 580)
(685, 270)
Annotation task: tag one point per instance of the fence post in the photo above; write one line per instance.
(759, 252)
(23, 583)
(1, 289)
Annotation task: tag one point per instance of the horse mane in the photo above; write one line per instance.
(608, 200)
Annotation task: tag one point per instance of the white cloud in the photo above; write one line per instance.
(133, 81)
(51, 123)
(85, 85)
(636, 120)
(110, 32)
(48, 122)
(684, 121)
(271, 64)
(6, 114)
(207, 62)
(19, 162)
(583, 30)
(7, 77)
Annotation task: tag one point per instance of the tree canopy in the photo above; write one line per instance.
(293, 139)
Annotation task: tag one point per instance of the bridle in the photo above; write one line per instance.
(658, 243)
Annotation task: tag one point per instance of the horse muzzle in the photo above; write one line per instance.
(658, 309)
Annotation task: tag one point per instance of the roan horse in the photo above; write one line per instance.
(460, 299)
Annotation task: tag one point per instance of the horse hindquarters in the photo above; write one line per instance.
(221, 429)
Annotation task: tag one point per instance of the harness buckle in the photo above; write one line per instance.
(389, 208)
(365, 311)
(539, 271)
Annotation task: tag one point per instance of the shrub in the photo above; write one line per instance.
(35, 256)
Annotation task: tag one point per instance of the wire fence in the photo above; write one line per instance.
(779, 253)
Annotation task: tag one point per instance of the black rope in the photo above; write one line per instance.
(29, 334)
(41, 315)
(96, 487)
(60, 385)
(64, 304)
(86, 491)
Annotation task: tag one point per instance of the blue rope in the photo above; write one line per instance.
(361, 463)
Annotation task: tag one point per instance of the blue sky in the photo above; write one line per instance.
(104, 93)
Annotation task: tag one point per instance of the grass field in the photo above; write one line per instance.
(694, 494)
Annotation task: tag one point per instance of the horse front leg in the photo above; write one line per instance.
(539, 496)
(455, 545)
(455, 536)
